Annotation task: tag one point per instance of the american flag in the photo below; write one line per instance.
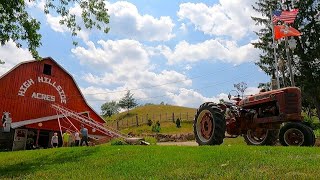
(285, 16)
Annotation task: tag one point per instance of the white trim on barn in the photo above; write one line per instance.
(38, 120)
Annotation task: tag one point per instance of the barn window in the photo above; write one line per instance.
(47, 69)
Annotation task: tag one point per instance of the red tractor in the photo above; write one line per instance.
(261, 119)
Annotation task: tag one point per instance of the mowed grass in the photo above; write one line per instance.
(163, 162)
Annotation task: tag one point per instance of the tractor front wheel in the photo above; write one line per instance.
(209, 125)
(261, 137)
(296, 134)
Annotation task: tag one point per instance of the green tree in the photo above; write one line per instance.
(128, 101)
(17, 25)
(266, 86)
(110, 108)
(308, 52)
(306, 63)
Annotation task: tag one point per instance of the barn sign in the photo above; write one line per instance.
(28, 83)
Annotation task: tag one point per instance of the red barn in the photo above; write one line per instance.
(28, 91)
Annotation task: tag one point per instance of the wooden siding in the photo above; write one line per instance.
(28, 106)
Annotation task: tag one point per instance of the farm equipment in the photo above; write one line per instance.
(261, 119)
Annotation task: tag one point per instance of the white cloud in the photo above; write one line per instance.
(251, 91)
(126, 64)
(192, 98)
(41, 4)
(126, 21)
(29, 3)
(12, 56)
(214, 49)
(53, 21)
(227, 18)
(183, 28)
(188, 67)
(101, 94)
(126, 55)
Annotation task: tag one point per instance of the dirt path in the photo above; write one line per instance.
(187, 143)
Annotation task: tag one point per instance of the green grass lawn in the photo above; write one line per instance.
(163, 162)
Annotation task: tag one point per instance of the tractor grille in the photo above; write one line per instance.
(292, 103)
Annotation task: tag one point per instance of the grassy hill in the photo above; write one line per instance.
(142, 111)
(166, 128)
(229, 161)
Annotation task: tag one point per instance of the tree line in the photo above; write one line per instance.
(127, 102)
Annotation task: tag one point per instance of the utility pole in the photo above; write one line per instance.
(242, 86)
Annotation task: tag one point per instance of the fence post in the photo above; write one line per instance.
(187, 117)
(117, 124)
(173, 117)
(137, 120)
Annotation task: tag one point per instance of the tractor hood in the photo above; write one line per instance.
(267, 96)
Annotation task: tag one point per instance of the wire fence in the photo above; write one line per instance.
(135, 121)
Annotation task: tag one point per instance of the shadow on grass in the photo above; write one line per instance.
(45, 161)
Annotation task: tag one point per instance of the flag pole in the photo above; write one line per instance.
(274, 51)
(289, 62)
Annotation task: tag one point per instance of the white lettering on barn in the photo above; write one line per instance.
(43, 97)
(62, 95)
(25, 85)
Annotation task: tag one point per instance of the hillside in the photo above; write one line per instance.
(140, 115)
(152, 109)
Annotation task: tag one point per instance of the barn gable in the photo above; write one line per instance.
(30, 88)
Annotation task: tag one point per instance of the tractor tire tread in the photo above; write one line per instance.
(309, 137)
(219, 124)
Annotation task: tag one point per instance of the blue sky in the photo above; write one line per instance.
(178, 52)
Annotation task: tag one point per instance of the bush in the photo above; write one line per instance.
(317, 133)
(156, 127)
(149, 122)
(311, 122)
(118, 141)
(178, 123)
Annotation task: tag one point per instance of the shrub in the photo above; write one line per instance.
(178, 123)
(317, 133)
(149, 122)
(118, 141)
(311, 122)
(156, 127)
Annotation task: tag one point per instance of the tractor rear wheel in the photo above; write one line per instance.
(262, 137)
(296, 134)
(209, 125)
